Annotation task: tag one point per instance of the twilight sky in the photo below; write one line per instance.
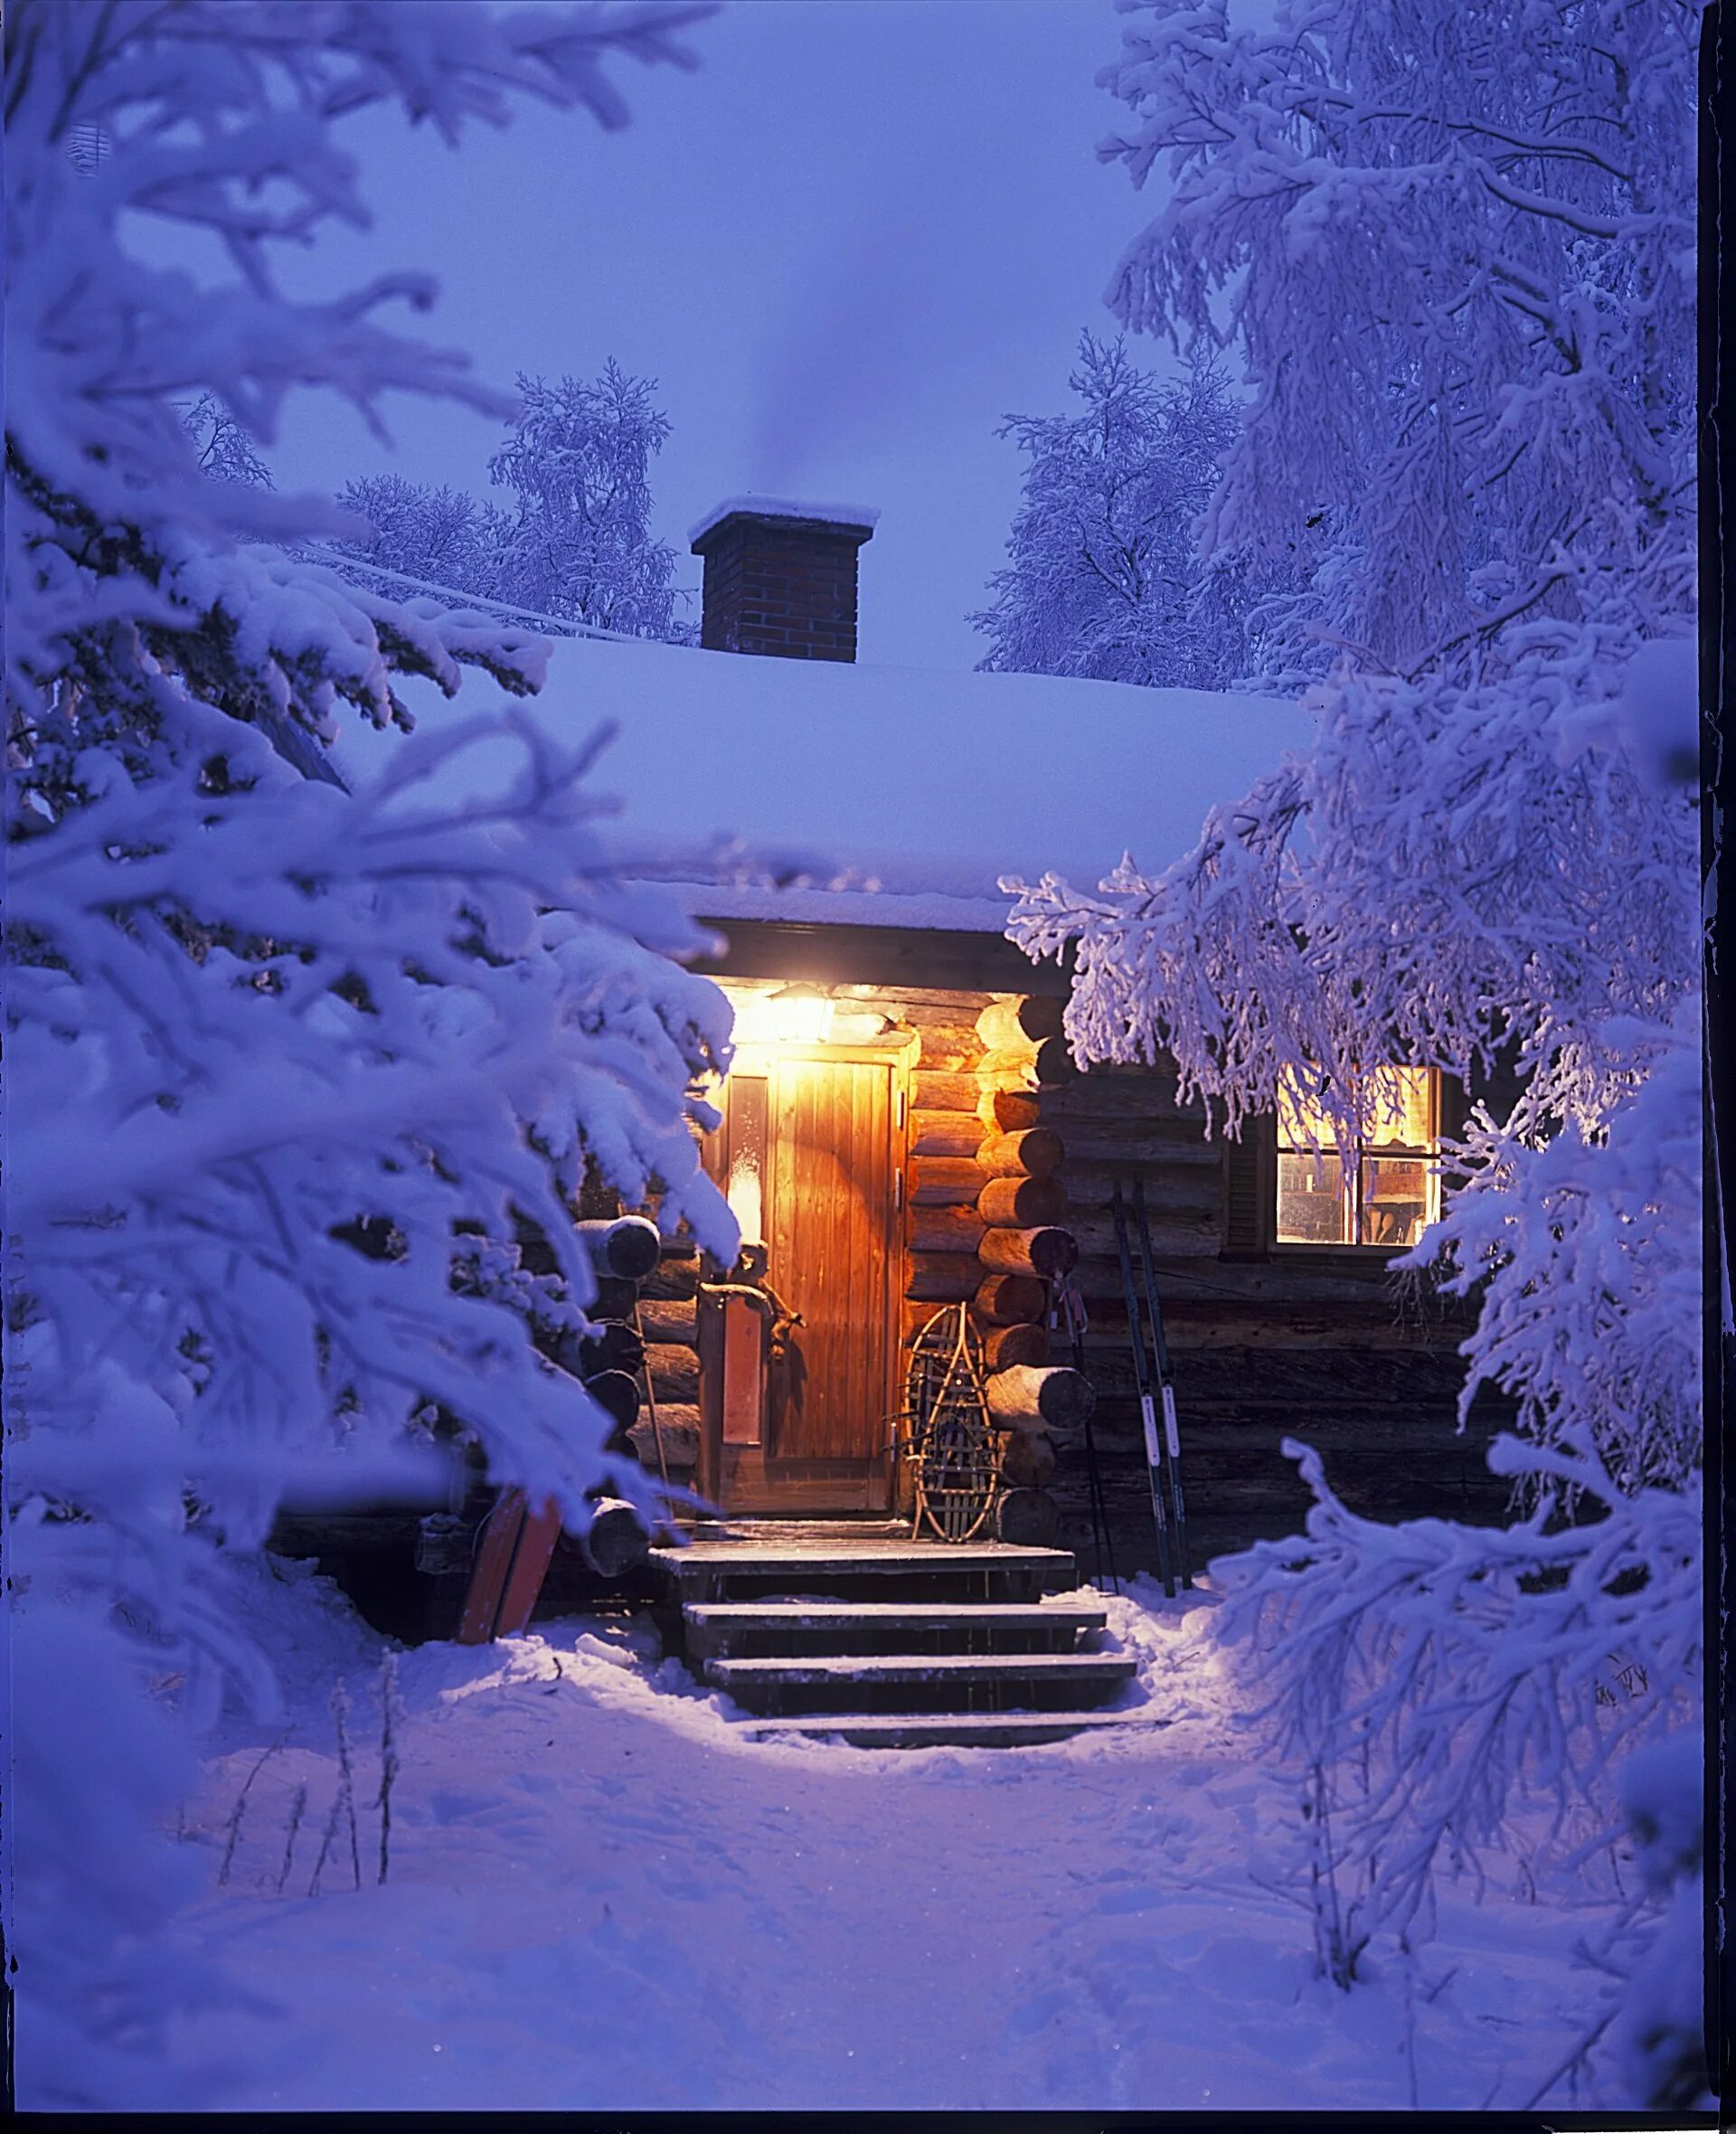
(848, 245)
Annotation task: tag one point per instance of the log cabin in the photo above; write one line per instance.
(905, 1128)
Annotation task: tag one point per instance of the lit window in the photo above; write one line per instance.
(1384, 1190)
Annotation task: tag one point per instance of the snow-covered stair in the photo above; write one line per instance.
(955, 1644)
(747, 1629)
(923, 1682)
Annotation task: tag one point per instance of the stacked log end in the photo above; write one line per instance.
(669, 1316)
(1022, 1205)
(943, 1179)
(1040, 1399)
(658, 1277)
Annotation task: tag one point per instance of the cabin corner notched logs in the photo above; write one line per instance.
(984, 1221)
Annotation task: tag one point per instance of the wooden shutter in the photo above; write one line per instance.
(1249, 1190)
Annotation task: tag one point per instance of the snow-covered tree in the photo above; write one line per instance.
(579, 544)
(1104, 579)
(246, 1010)
(438, 536)
(574, 544)
(1454, 247)
(1452, 243)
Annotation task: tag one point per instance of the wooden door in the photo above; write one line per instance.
(809, 1143)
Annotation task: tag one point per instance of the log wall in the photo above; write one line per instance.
(1329, 1349)
(1011, 1157)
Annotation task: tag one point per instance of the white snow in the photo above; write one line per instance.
(886, 781)
(601, 1898)
(782, 507)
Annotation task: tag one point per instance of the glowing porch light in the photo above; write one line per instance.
(800, 1015)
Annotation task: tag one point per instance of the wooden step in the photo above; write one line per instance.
(738, 1630)
(923, 1682)
(904, 1570)
(946, 1729)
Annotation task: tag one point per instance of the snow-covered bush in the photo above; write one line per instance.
(1103, 579)
(248, 1012)
(1604, 1213)
(1453, 245)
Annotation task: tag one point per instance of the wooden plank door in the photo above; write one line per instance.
(813, 1137)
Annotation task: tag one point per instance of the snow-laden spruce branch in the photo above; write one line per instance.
(297, 1066)
(1606, 1215)
(102, 346)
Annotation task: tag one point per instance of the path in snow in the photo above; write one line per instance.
(598, 1899)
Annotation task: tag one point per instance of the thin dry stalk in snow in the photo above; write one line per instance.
(340, 1704)
(297, 1808)
(327, 1840)
(239, 1808)
(391, 1714)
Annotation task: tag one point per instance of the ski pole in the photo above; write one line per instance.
(1147, 1414)
(1068, 1306)
(1166, 1382)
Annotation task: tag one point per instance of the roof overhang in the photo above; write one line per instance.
(922, 957)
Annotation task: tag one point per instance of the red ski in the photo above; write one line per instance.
(512, 1560)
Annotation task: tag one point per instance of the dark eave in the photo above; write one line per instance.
(922, 957)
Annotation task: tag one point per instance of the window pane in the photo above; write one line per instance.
(1312, 1207)
(1399, 1108)
(1395, 1200)
(746, 1189)
(1301, 1121)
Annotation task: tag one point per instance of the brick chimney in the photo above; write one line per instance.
(781, 578)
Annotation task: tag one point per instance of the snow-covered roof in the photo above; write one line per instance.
(780, 507)
(820, 790)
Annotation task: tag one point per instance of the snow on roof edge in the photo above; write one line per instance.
(782, 507)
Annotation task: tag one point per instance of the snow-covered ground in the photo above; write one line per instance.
(600, 1898)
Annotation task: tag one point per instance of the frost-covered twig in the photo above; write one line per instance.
(1337, 1945)
(1576, 2058)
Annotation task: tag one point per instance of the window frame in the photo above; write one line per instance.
(1429, 1157)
